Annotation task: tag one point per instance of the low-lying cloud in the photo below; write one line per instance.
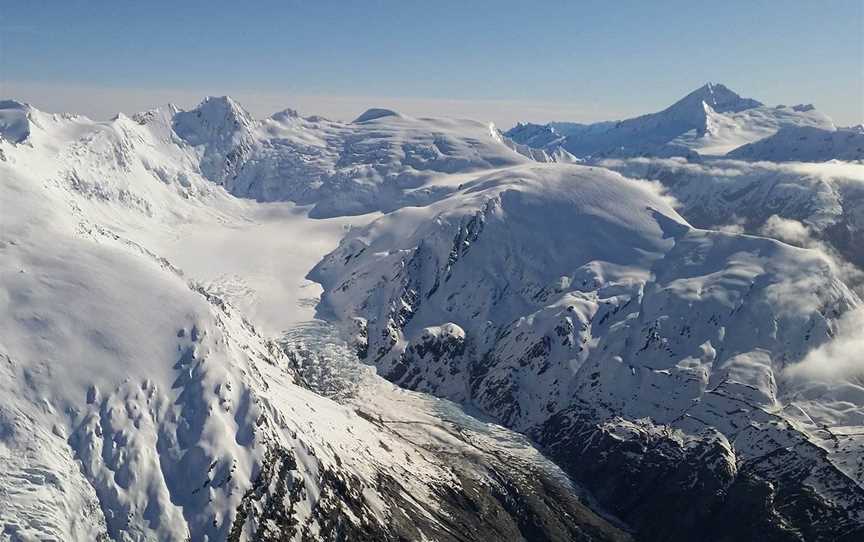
(791, 232)
(839, 360)
(799, 234)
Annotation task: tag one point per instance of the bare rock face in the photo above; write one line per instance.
(434, 357)
(671, 486)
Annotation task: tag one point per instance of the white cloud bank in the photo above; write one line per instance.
(839, 360)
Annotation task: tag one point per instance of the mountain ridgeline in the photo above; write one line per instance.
(645, 329)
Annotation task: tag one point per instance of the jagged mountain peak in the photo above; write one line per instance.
(568, 302)
(222, 111)
(717, 96)
(165, 112)
(287, 113)
(215, 117)
(221, 102)
(710, 120)
(222, 128)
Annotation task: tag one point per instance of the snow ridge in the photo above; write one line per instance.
(712, 120)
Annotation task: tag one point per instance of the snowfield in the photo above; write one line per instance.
(223, 328)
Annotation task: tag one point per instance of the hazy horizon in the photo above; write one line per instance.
(501, 62)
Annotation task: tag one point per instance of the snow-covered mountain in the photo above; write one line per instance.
(805, 144)
(807, 205)
(137, 402)
(643, 330)
(373, 163)
(164, 377)
(712, 120)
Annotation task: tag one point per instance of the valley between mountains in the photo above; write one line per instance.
(223, 328)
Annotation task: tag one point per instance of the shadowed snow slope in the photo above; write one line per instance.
(14, 122)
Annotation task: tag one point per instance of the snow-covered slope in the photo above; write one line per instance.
(376, 162)
(537, 136)
(805, 144)
(576, 305)
(711, 120)
(727, 131)
(808, 205)
(160, 381)
(136, 403)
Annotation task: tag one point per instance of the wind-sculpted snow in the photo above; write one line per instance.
(116, 363)
(573, 297)
(725, 131)
(131, 385)
(14, 121)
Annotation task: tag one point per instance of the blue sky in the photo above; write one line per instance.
(500, 61)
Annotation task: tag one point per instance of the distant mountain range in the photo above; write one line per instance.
(710, 121)
(217, 327)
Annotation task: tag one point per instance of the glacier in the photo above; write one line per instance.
(224, 328)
